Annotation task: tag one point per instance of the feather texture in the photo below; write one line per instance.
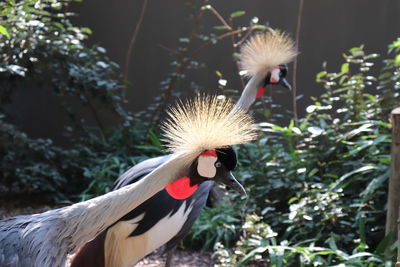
(46, 239)
(206, 123)
(266, 50)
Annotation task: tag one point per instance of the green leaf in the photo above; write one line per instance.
(238, 14)
(321, 74)
(397, 60)
(359, 255)
(374, 184)
(345, 68)
(371, 56)
(385, 159)
(363, 128)
(357, 51)
(86, 30)
(312, 172)
(252, 254)
(220, 28)
(4, 31)
(291, 124)
(385, 242)
(362, 169)
(148, 148)
(361, 232)
(155, 140)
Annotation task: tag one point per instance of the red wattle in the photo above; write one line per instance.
(181, 189)
(260, 92)
(210, 153)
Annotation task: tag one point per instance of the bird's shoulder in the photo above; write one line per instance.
(139, 171)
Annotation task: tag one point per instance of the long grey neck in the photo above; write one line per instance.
(97, 214)
(63, 231)
(249, 93)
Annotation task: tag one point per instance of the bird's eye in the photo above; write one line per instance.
(218, 164)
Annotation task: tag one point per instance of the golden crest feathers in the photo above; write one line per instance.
(266, 50)
(206, 123)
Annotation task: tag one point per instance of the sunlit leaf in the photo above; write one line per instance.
(220, 27)
(237, 14)
(4, 31)
(361, 170)
(345, 68)
(397, 60)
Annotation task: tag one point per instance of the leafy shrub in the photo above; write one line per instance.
(28, 166)
(214, 225)
(37, 167)
(261, 240)
(39, 44)
(317, 188)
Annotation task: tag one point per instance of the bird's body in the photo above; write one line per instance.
(46, 239)
(160, 220)
(175, 217)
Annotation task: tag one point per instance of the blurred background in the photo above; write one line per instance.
(328, 28)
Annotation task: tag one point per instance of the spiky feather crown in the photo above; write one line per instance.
(265, 51)
(206, 123)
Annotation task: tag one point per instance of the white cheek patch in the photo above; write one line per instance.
(275, 74)
(206, 166)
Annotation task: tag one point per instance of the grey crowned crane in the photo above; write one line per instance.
(196, 133)
(168, 216)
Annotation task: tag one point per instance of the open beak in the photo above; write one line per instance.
(230, 181)
(285, 83)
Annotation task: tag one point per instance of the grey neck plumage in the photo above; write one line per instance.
(46, 239)
(249, 93)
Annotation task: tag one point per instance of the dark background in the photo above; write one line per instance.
(329, 28)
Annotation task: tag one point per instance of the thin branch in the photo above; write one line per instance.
(185, 56)
(180, 66)
(294, 79)
(133, 39)
(220, 37)
(169, 50)
(223, 21)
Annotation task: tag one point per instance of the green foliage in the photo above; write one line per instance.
(39, 43)
(185, 57)
(261, 240)
(108, 159)
(317, 188)
(40, 46)
(31, 167)
(28, 166)
(214, 225)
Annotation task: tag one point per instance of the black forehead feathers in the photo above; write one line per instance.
(284, 70)
(227, 157)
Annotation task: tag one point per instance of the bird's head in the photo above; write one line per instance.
(203, 132)
(212, 165)
(264, 57)
(277, 76)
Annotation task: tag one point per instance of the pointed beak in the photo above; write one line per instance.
(285, 83)
(230, 181)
